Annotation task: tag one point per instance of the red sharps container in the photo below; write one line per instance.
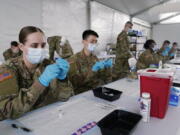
(157, 82)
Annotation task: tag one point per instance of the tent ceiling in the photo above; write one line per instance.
(155, 8)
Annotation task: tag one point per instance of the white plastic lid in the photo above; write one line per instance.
(145, 95)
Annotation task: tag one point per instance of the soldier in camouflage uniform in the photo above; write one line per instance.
(25, 86)
(148, 57)
(12, 52)
(166, 44)
(173, 50)
(121, 66)
(163, 52)
(61, 46)
(81, 73)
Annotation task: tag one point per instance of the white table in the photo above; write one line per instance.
(47, 121)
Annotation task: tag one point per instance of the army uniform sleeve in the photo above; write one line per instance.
(6, 55)
(146, 59)
(15, 106)
(160, 51)
(105, 75)
(141, 63)
(52, 47)
(73, 72)
(67, 50)
(172, 51)
(62, 89)
(122, 47)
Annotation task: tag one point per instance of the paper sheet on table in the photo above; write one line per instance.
(175, 61)
(66, 119)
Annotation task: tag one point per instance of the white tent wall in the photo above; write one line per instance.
(14, 15)
(60, 17)
(163, 32)
(67, 18)
(109, 23)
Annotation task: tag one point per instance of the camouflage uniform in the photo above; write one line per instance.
(163, 58)
(172, 51)
(81, 75)
(161, 50)
(8, 54)
(121, 67)
(64, 51)
(147, 58)
(27, 93)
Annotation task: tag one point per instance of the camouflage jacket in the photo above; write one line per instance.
(147, 58)
(21, 91)
(123, 46)
(64, 51)
(8, 54)
(81, 75)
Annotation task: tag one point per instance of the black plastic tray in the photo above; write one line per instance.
(119, 122)
(107, 93)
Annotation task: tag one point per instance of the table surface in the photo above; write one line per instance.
(65, 118)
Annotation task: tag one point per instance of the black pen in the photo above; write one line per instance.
(20, 127)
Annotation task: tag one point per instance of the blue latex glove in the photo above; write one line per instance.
(165, 53)
(64, 68)
(51, 72)
(98, 65)
(108, 63)
(168, 49)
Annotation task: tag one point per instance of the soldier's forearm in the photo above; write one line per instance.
(37, 86)
(23, 103)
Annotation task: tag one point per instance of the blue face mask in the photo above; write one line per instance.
(91, 47)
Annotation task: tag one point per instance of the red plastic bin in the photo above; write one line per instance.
(158, 85)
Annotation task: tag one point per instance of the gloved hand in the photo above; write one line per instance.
(108, 63)
(51, 72)
(63, 66)
(165, 53)
(98, 65)
(168, 48)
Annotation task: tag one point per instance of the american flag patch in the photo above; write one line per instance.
(5, 76)
(85, 128)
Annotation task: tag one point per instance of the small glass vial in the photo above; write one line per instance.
(145, 106)
(160, 64)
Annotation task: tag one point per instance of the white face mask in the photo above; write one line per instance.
(91, 47)
(35, 55)
(155, 48)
